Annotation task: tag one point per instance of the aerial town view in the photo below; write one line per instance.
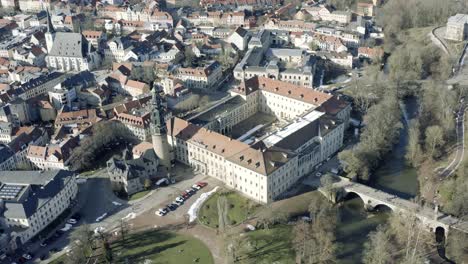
(233, 131)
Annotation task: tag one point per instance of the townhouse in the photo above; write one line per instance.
(206, 77)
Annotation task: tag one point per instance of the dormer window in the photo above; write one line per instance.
(241, 158)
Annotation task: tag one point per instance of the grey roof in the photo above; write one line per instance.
(130, 168)
(123, 42)
(38, 188)
(83, 79)
(36, 82)
(221, 109)
(5, 153)
(241, 31)
(284, 53)
(68, 44)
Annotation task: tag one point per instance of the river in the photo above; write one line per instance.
(394, 176)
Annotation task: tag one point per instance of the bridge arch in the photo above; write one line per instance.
(369, 203)
(440, 234)
(383, 208)
(351, 195)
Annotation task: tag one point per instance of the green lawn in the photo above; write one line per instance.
(268, 246)
(239, 208)
(138, 195)
(161, 247)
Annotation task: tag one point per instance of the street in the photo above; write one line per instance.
(101, 200)
(460, 145)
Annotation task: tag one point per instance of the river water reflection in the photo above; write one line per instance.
(394, 176)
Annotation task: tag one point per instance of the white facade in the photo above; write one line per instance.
(46, 213)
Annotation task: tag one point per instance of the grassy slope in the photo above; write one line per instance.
(238, 209)
(161, 247)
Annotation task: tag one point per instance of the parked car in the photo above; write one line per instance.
(172, 207)
(162, 182)
(72, 221)
(196, 186)
(66, 228)
(179, 199)
(26, 256)
(162, 212)
(202, 184)
(185, 195)
(179, 203)
(190, 192)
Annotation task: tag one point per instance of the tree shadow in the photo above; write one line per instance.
(154, 250)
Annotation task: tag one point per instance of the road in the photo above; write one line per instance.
(104, 201)
(436, 36)
(460, 145)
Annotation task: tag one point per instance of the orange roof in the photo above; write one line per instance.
(212, 141)
(141, 148)
(286, 89)
(136, 84)
(256, 157)
(92, 34)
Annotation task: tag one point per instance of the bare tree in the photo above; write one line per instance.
(379, 248)
(124, 228)
(434, 138)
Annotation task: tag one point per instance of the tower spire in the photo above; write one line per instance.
(158, 124)
(159, 130)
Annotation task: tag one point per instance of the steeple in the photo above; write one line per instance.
(50, 27)
(158, 123)
(159, 130)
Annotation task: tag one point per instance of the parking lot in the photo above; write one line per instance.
(102, 210)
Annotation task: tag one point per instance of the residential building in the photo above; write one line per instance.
(371, 53)
(136, 88)
(289, 65)
(52, 156)
(206, 77)
(34, 199)
(80, 118)
(365, 9)
(39, 86)
(7, 158)
(138, 122)
(33, 6)
(131, 175)
(239, 38)
(457, 27)
(95, 38)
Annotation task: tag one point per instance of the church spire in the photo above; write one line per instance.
(50, 27)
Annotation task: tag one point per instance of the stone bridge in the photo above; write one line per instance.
(373, 199)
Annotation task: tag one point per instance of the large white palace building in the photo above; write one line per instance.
(263, 168)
